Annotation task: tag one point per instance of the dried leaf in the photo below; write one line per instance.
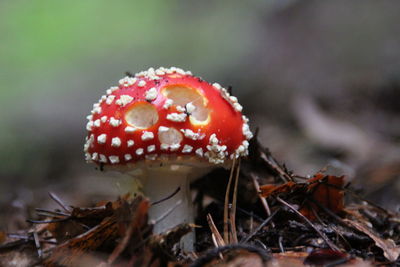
(70, 252)
(273, 190)
(326, 190)
(63, 231)
(138, 221)
(326, 256)
(288, 259)
(243, 259)
(296, 259)
(93, 214)
(78, 222)
(390, 250)
(126, 215)
(233, 255)
(164, 242)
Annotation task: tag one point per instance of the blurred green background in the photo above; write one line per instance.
(320, 79)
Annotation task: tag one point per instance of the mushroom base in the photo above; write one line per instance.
(160, 183)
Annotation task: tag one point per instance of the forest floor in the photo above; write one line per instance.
(257, 214)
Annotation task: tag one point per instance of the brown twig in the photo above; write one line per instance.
(45, 212)
(234, 204)
(262, 199)
(167, 197)
(218, 238)
(226, 203)
(276, 167)
(47, 221)
(37, 244)
(215, 242)
(282, 250)
(29, 238)
(134, 226)
(59, 202)
(168, 212)
(261, 226)
(267, 157)
(323, 236)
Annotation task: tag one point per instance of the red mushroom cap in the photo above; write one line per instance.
(165, 112)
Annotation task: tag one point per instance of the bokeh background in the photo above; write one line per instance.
(320, 79)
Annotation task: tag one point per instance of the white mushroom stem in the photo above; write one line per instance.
(161, 182)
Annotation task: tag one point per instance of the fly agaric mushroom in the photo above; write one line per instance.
(172, 127)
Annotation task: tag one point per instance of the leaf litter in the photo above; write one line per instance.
(257, 214)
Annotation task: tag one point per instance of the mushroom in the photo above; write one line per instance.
(166, 127)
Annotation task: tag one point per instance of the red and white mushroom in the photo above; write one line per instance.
(173, 127)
